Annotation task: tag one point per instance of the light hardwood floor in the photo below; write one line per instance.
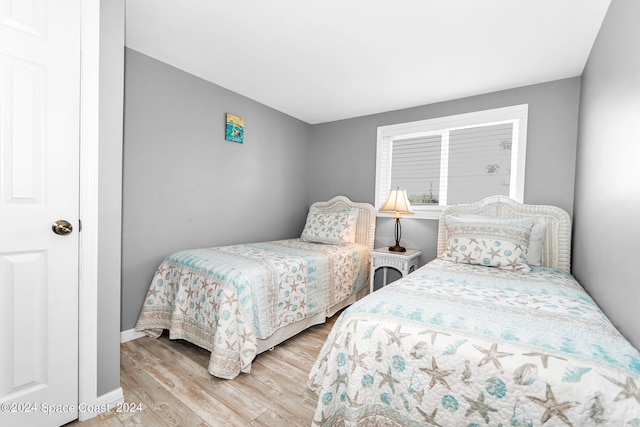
(166, 383)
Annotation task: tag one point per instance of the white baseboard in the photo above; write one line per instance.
(104, 403)
(130, 335)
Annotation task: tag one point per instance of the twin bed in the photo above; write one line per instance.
(494, 332)
(480, 336)
(238, 301)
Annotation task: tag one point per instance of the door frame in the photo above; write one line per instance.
(88, 262)
(96, 27)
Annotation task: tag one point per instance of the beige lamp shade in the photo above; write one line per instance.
(397, 202)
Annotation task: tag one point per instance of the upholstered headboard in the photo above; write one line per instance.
(366, 222)
(556, 250)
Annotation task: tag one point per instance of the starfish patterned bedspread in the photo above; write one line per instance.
(225, 298)
(461, 345)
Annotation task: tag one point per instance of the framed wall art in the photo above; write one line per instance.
(234, 129)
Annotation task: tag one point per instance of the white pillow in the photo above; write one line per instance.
(330, 227)
(536, 242)
(502, 243)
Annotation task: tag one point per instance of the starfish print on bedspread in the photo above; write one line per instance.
(437, 376)
(468, 258)
(285, 264)
(491, 355)
(430, 418)
(294, 285)
(494, 252)
(164, 271)
(388, 378)
(629, 389)
(514, 263)
(245, 335)
(340, 379)
(356, 359)
(230, 299)
(189, 292)
(395, 336)
(552, 407)
(479, 406)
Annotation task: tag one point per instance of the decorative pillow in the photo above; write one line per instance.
(501, 243)
(331, 227)
(536, 242)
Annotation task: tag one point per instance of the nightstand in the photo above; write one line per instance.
(404, 262)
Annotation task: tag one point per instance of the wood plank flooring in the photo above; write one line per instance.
(166, 383)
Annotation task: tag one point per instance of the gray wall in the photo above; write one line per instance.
(607, 195)
(186, 187)
(111, 89)
(343, 153)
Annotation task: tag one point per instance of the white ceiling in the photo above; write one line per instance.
(326, 60)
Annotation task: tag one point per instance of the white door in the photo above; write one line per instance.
(39, 184)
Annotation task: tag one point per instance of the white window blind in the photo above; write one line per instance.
(479, 162)
(415, 167)
(455, 159)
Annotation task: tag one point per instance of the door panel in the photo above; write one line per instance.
(23, 99)
(39, 184)
(24, 310)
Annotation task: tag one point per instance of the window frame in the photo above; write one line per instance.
(516, 114)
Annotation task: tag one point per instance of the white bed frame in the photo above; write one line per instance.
(556, 251)
(365, 234)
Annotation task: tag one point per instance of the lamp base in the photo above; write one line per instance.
(397, 248)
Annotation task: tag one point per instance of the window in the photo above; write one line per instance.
(455, 159)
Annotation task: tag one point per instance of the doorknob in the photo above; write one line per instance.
(62, 227)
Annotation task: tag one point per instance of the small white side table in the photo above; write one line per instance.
(404, 262)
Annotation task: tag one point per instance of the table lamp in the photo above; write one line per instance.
(398, 204)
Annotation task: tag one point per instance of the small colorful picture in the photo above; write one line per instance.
(235, 128)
